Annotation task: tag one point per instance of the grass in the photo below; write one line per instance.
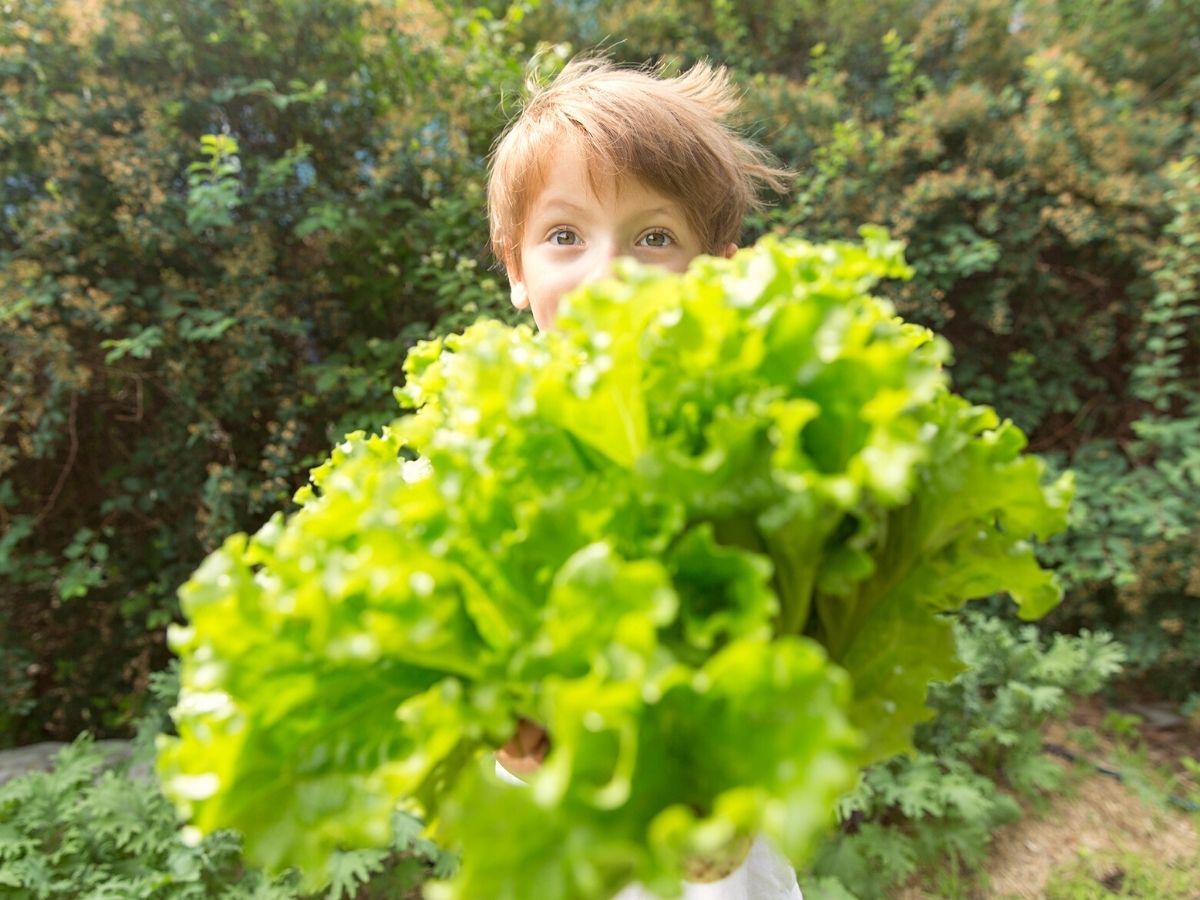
(1113, 871)
(1104, 875)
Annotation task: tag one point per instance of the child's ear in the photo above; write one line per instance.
(516, 286)
(518, 294)
(730, 249)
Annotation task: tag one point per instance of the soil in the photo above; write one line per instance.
(1103, 818)
(1098, 814)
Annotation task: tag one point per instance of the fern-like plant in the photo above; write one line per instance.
(937, 809)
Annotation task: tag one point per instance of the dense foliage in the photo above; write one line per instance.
(221, 227)
(179, 341)
(704, 506)
(98, 825)
(87, 829)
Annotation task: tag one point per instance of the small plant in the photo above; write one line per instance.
(1192, 784)
(88, 829)
(1126, 726)
(84, 830)
(213, 184)
(1192, 766)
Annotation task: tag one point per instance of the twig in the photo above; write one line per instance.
(222, 435)
(71, 453)
(137, 416)
(1048, 440)
(1062, 752)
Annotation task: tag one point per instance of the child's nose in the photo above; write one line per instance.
(602, 263)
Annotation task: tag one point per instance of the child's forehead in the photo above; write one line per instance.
(576, 179)
(566, 167)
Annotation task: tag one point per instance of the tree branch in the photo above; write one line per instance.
(72, 452)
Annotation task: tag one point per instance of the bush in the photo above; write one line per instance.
(88, 830)
(187, 326)
(221, 227)
(1135, 551)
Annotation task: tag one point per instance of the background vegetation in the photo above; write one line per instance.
(222, 224)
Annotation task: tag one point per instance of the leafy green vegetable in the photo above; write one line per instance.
(703, 532)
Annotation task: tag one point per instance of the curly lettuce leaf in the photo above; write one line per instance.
(752, 742)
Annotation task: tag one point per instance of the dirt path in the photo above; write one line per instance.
(1099, 817)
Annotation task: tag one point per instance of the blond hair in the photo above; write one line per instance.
(670, 133)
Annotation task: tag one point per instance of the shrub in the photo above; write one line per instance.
(179, 342)
(91, 828)
(84, 829)
(221, 227)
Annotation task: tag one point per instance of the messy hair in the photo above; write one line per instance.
(670, 133)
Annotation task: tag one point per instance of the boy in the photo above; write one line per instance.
(608, 162)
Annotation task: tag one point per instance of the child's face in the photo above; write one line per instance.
(572, 235)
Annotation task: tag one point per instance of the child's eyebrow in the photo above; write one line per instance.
(556, 203)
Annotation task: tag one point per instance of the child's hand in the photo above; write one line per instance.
(524, 752)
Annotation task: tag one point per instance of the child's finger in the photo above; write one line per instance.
(525, 750)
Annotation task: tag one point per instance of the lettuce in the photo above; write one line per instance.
(705, 532)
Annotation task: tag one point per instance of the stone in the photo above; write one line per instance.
(40, 757)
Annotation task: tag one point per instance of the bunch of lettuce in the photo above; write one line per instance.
(705, 533)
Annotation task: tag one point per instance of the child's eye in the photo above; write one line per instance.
(563, 237)
(657, 239)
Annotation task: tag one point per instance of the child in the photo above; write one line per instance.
(609, 162)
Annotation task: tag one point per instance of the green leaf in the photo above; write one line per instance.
(695, 784)
(350, 869)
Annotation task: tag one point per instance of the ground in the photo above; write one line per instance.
(1102, 837)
